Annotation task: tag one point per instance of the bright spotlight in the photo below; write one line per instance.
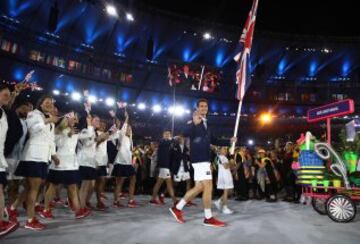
(141, 106)
(130, 17)
(110, 101)
(76, 96)
(92, 99)
(265, 118)
(156, 108)
(56, 92)
(207, 36)
(250, 142)
(111, 10)
(177, 110)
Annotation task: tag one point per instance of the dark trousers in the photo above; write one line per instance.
(241, 185)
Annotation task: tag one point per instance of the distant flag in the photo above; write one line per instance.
(243, 57)
(34, 86)
(28, 76)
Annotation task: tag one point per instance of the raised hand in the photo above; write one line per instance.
(196, 118)
(88, 120)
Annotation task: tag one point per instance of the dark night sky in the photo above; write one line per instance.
(318, 17)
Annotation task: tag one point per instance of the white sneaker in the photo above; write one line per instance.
(302, 199)
(217, 203)
(227, 210)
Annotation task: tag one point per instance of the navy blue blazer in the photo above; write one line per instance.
(200, 140)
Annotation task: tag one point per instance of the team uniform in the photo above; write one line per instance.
(101, 158)
(200, 157)
(3, 162)
(180, 163)
(86, 154)
(5, 226)
(13, 158)
(67, 172)
(123, 166)
(163, 158)
(39, 147)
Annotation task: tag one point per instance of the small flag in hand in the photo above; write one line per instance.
(121, 104)
(113, 128)
(112, 113)
(70, 115)
(87, 106)
(28, 76)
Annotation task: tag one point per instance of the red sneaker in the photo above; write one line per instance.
(175, 203)
(7, 227)
(82, 213)
(100, 206)
(39, 208)
(191, 204)
(52, 204)
(162, 199)
(86, 211)
(13, 214)
(132, 204)
(117, 204)
(46, 214)
(213, 222)
(155, 202)
(177, 214)
(35, 224)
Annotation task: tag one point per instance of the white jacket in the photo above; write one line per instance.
(87, 148)
(101, 156)
(41, 143)
(124, 155)
(66, 151)
(3, 131)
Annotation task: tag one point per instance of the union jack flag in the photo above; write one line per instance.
(243, 57)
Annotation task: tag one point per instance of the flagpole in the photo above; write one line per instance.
(232, 148)
(173, 114)
(201, 76)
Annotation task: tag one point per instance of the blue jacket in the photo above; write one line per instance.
(163, 156)
(177, 156)
(200, 140)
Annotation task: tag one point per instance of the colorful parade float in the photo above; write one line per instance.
(330, 178)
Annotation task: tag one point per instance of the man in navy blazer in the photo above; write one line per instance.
(200, 156)
(180, 163)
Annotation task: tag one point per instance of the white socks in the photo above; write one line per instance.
(208, 213)
(181, 204)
